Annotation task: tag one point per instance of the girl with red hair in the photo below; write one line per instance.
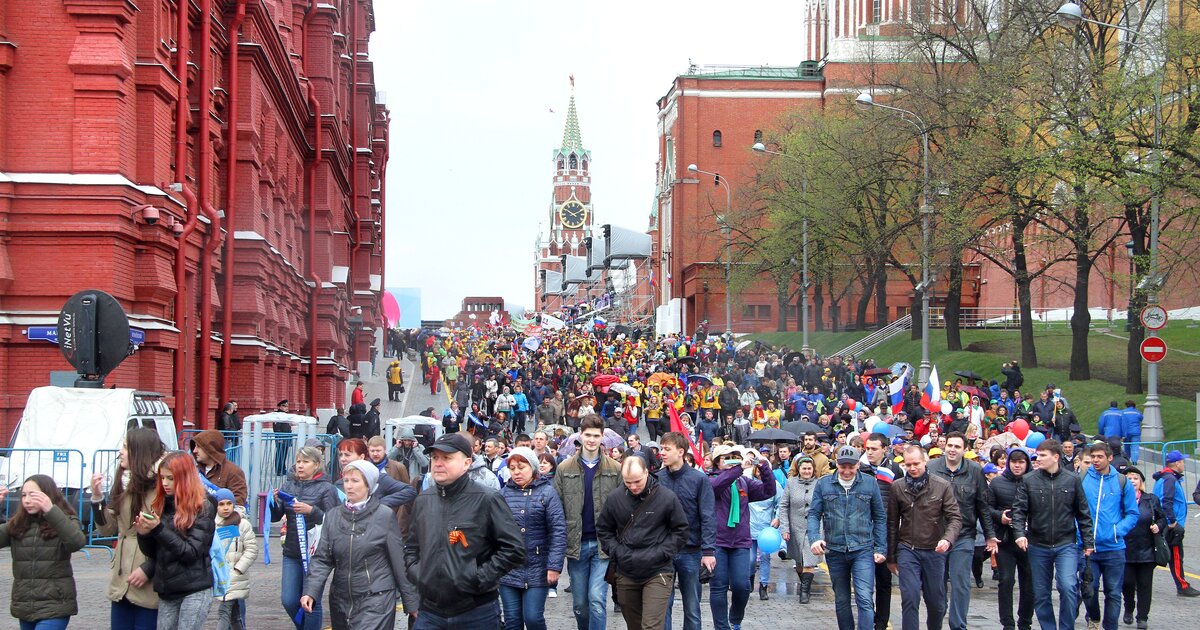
(176, 535)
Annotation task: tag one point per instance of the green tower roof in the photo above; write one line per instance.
(572, 140)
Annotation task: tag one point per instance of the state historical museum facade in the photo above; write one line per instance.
(218, 167)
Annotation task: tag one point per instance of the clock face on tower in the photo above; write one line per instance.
(572, 214)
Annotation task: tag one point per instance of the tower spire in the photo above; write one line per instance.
(572, 140)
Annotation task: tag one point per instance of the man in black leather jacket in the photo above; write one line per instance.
(641, 528)
(1049, 508)
(462, 538)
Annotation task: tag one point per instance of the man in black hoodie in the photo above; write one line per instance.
(641, 528)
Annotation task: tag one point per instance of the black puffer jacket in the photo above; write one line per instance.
(1048, 508)
(181, 561)
(1139, 542)
(456, 577)
(43, 583)
(648, 545)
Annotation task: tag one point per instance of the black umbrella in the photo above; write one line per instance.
(687, 361)
(800, 427)
(787, 358)
(968, 374)
(772, 435)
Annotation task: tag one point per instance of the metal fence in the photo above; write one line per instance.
(233, 444)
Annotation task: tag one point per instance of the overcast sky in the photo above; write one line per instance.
(471, 86)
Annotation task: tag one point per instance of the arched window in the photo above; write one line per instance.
(561, 164)
(585, 165)
(757, 136)
(574, 161)
(717, 138)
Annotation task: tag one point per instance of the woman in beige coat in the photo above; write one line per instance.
(134, 602)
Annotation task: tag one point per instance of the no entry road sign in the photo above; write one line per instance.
(1153, 349)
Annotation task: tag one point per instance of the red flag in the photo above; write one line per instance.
(677, 425)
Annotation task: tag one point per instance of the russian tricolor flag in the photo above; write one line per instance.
(931, 396)
(896, 391)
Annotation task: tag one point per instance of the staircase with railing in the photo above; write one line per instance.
(879, 336)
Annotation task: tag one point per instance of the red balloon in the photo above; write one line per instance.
(1019, 428)
(850, 401)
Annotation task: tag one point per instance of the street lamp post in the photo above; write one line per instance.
(724, 223)
(805, 349)
(866, 100)
(1071, 15)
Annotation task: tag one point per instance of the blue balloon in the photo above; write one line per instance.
(769, 540)
(1034, 438)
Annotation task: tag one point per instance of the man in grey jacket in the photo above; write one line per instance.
(971, 490)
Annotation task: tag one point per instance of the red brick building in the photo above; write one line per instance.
(477, 310)
(252, 129)
(711, 117)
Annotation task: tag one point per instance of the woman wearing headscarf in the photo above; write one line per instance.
(362, 547)
(539, 514)
(792, 520)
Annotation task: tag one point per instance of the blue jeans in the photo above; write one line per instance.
(291, 587)
(57, 623)
(127, 616)
(732, 574)
(486, 616)
(589, 591)
(687, 576)
(1060, 565)
(857, 568)
(524, 607)
(760, 562)
(1111, 566)
(922, 576)
(958, 566)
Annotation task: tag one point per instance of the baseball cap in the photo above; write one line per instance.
(1174, 456)
(897, 440)
(990, 468)
(651, 444)
(450, 443)
(764, 449)
(848, 455)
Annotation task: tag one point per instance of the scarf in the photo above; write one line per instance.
(917, 484)
(735, 505)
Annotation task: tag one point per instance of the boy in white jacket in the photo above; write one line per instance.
(237, 535)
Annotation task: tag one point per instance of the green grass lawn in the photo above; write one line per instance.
(1179, 373)
(825, 343)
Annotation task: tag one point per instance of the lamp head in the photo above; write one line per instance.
(1069, 14)
(865, 99)
(693, 168)
(760, 147)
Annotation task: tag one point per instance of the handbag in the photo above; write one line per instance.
(610, 574)
(1162, 553)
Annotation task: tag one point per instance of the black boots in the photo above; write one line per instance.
(806, 580)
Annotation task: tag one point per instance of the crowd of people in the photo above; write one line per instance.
(647, 469)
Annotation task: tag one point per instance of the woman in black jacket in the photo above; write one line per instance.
(313, 497)
(177, 536)
(1139, 550)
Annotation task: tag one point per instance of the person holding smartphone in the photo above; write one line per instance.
(733, 493)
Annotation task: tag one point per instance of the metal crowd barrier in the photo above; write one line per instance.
(266, 457)
(104, 462)
(1139, 451)
(1191, 466)
(65, 466)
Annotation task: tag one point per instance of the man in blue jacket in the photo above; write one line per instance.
(1168, 485)
(1114, 507)
(1111, 422)
(847, 508)
(1131, 430)
(695, 494)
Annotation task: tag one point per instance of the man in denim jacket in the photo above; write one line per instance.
(848, 511)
